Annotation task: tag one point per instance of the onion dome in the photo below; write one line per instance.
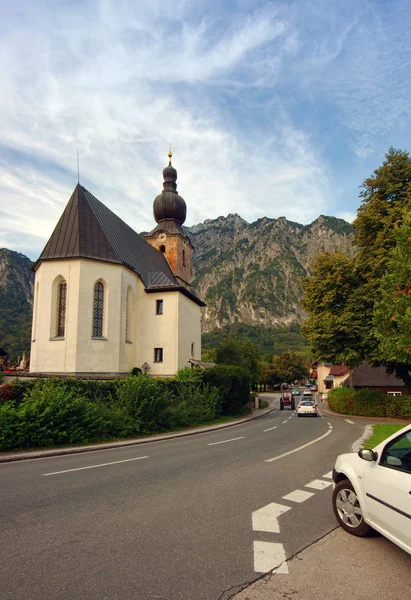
(168, 204)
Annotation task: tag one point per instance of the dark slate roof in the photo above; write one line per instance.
(88, 229)
(366, 376)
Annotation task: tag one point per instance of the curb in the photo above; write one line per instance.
(360, 442)
(30, 455)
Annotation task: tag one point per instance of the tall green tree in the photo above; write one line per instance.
(392, 311)
(343, 297)
(334, 326)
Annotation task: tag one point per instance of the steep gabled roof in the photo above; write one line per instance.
(88, 229)
(366, 376)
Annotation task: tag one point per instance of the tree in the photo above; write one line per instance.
(289, 366)
(392, 312)
(241, 353)
(343, 297)
(334, 327)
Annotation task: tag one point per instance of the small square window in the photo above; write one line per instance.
(158, 355)
(159, 307)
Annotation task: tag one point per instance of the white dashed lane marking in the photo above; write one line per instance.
(270, 429)
(226, 441)
(318, 484)
(350, 422)
(284, 421)
(298, 496)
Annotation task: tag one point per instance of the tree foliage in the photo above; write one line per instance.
(392, 311)
(241, 353)
(351, 302)
(289, 367)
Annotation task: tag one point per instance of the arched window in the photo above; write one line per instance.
(98, 309)
(162, 248)
(60, 329)
(129, 312)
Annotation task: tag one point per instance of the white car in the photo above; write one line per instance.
(372, 490)
(307, 407)
(307, 393)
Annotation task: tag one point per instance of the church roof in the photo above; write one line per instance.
(88, 229)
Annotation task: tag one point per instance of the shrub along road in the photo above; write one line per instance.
(176, 519)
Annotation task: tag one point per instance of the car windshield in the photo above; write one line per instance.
(307, 403)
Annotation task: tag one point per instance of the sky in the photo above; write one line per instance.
(271, 108)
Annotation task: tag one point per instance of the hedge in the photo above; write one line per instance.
(369, 403)
(50, 412)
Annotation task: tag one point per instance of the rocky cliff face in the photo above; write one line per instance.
(252, 273)
(16, 302)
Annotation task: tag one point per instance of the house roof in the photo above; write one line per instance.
(202, 364)
(338, 370)
(366, 376)
(88, 229)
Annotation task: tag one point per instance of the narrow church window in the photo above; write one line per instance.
(98, 309)
(159, 307)
(192, 348)
(61, 309)
(158, 355)
(129, 309)
(162, 248)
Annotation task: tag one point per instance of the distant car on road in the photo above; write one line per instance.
(295, 391)
(372, 490)
(314, 388)
(307, 393)
(287, 399)
(307, 408)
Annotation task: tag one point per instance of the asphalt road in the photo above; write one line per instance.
(170, 520)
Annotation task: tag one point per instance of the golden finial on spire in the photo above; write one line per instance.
(170, 154)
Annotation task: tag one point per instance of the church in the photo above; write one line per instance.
(107, 299)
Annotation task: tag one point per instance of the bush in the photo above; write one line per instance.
(233, 383)
(51, 415)
(369, 403)
(190, 374)
(136, 371)
(145, 401)
(7, 392)
(192, 405)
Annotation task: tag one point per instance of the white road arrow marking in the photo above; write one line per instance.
(266, 518)
(268, 556)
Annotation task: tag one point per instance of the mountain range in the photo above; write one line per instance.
(250, 276)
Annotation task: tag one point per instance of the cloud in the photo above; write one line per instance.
(252, 96)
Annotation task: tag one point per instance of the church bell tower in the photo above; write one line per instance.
(168, 237)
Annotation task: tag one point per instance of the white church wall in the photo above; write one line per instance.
(189, 331)
(49, 353)
(99, 355)
(131, 296)
(158, 331)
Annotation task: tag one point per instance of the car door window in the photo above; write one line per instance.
(397, 454)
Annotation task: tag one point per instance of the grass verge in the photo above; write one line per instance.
(381, 433)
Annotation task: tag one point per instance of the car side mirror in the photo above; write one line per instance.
(369, 455)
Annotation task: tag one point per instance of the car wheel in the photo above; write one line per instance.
(347, 509)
